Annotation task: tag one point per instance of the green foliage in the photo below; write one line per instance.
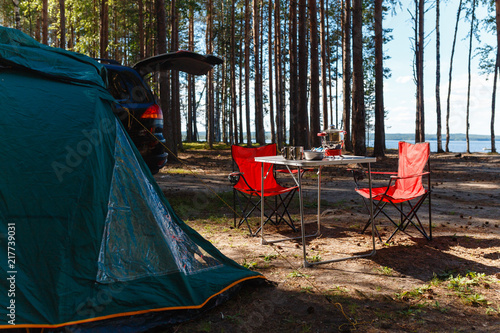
(474, 299)
(440, 308)
(414, 293)
(269, 257)
(385, 270)
(410, 311)
(296, 274)
(315, 258)
(250, 265)
(463, 287)
(338, 289)
(307, 289)
(493, 311)
(486, 59)
(204, 145)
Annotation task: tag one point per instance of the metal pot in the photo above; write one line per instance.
(332, 141)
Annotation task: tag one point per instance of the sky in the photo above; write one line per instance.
(399, 90)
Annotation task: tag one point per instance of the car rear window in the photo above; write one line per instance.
(127, 87)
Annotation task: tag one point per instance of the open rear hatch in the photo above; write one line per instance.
(184, 61)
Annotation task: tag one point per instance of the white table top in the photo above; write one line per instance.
(337, 160)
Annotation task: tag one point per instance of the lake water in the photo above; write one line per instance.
(476, 146)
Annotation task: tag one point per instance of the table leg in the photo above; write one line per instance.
(262, 240)
(308, 264)
(371, 205)
(298, 182)
(318, 231)
(302, 223)
(319, 199)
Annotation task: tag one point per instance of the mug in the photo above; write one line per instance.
(293, 152)
(297, 152)
(286, 152)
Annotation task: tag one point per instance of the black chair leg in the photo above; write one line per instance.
(279, 209)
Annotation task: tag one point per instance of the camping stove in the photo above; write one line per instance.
(332, 141)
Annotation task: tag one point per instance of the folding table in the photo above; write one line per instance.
(304, 164)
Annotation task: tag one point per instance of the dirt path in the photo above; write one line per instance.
(449, 284)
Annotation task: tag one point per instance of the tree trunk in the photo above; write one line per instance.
(438, 80)
(379, 144)
(141, 28)
(449, 79)
(493, 101)
(247, 72)
(329, 57)
(302, 133)
(17, 15)
(280, 95)
(234, 137)
(314, 140)
(191, 114)
(149, 33)
(174, 75)
(240, 91)
(221, 105)
(270, 65)
(358, 98)
(324, 65)
(467, 125)
(217, 107)
(45, 22)
(294, 92)
(421, 38)
(62, 18)
(210, 87)
(497, 67)
(416, 70)
(190, 110)
(419, 60)
(260, 135)
(104, 30)
(161, 31)
(116, 51)
(346, 69)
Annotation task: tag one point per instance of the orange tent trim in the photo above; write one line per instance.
(132, 312)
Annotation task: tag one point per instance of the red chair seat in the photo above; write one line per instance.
(268, 192)
(404, 187)
(392, 195)
(249, 185)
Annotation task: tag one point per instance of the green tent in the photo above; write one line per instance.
(88, 241)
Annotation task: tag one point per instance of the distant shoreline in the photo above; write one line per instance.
(453, 137)
(410, 137)
(457, 146)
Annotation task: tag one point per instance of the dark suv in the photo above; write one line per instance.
(137, 107)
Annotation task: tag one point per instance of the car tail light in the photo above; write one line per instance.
(153, 112)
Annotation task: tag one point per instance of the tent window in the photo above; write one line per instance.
(141, 238)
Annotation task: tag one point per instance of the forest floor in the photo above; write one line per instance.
(449, 284)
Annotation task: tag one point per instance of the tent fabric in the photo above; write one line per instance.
(93, 241)
(18, 49)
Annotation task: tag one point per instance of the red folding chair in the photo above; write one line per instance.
(247, 188)
(404, 187)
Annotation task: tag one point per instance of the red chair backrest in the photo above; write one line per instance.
(244, 159)
(412, 160)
